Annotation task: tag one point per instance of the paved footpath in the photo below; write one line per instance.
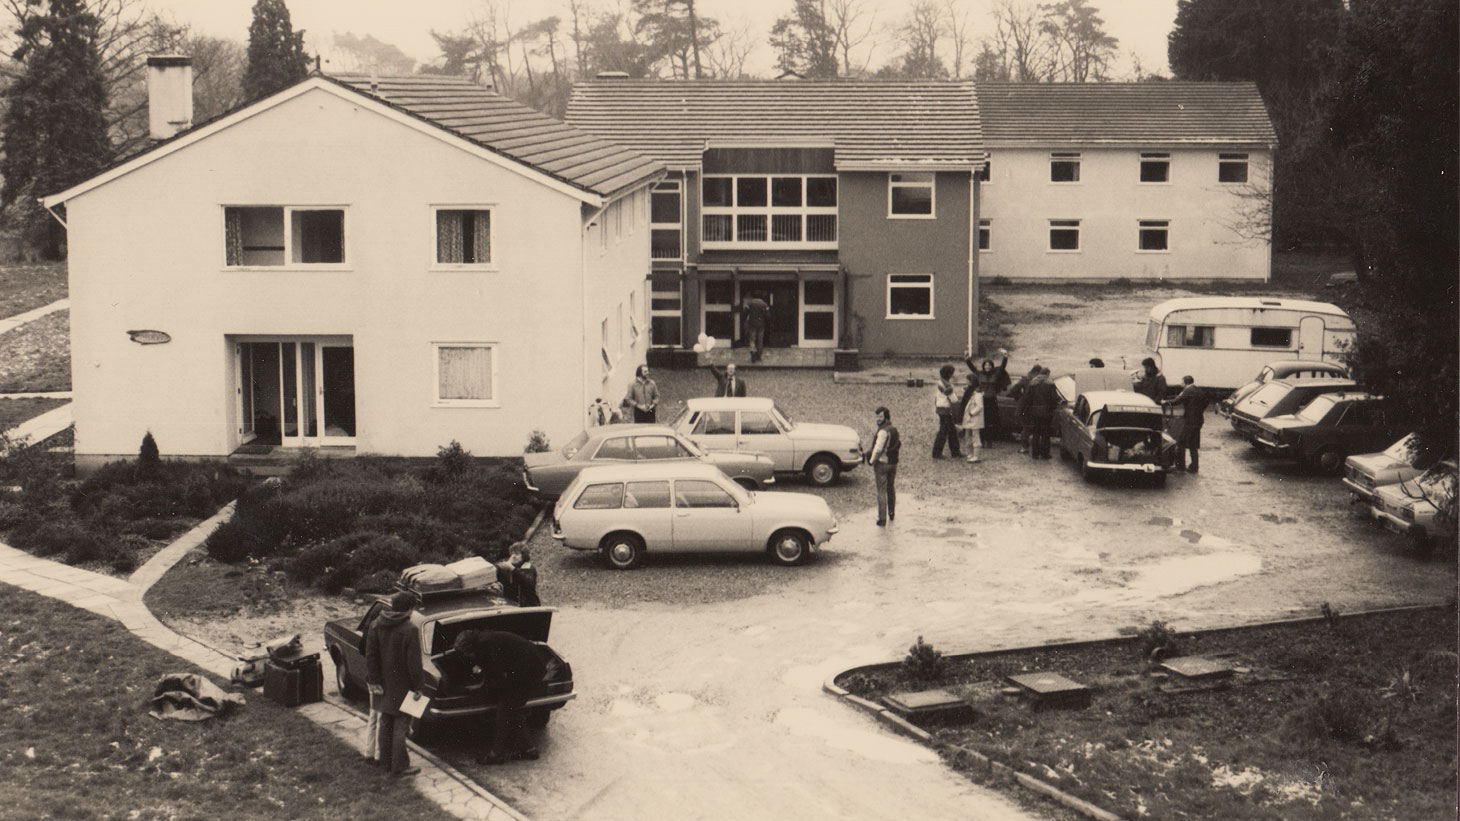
(122, 600)
(12, 322)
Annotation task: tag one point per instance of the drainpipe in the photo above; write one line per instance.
(972, 256)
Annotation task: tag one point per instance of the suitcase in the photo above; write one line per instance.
(302, 682)
(429, 578)
(474, 571)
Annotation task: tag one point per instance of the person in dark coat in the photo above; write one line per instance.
(727, 383)
(519, 577)
(1037, 407)
(945, 404)
(1017, 394)
(1150, 382)
(512, 666)
(991, 380)
(756, 311)
(883, 456)
(1193, 404)
(393, 671)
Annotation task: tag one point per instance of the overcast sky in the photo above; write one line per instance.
(1140, 25)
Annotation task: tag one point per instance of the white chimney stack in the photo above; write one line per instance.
(169, 94)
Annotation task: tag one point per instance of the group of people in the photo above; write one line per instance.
(641, 403)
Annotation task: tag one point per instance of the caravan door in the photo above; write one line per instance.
(1310, 337)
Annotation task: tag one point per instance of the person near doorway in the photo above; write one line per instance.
(756, 312)
(886, 447)
(643, 396)
(727, 383)
(945, 406)
(1193, 403)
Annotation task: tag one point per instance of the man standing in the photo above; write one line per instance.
(1193, 404)
(756, 311)
(886, 446)
(644, 396)
(393, 671)
(726, 382)
(1037, 406)
(1150, 382)
(512, 666)
(945, 406)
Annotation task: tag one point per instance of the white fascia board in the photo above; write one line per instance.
(880, 167)
(349, 95)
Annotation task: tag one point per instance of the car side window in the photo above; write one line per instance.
(370, 616)
(658, 447)
(701, 493)
(715, 423)
(1082, 409)
(646, 494)
(757, 423)
(607, 496)
(1358, 414)
(617, 449)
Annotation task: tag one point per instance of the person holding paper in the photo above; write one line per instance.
(512, 666)
(393, 671)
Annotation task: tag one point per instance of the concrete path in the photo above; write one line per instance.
(42, 427)
(40, 395)
(121, 600)
(10, 323)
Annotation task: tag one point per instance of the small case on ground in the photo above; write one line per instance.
(294, 681)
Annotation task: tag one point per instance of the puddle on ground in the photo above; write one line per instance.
(873, 744)
(1173, 576)
(1191, 536)
(1161, 521)
(627, 709)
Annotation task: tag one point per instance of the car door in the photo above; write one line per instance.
(714, 430)
(1075, 429)
(614, 449)
(709, 516)
(760, 432)
(658, 448)
(647, 505)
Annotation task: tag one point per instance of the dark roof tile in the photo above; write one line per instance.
(1150, 113)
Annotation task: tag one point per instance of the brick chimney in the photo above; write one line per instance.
(169, 94)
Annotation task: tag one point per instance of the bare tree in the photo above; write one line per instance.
(853, 22)
(579, 10)
(960, 34)
(921, 29)
(1020, 42)
(726, 56)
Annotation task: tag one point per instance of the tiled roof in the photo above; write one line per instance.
(1153, 113)
(869, 123)
(513, 130)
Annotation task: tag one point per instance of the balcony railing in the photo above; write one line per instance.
(769, 229)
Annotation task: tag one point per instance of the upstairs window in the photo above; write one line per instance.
(910, 296)
(984, 227)
(1064, 166)
(1231, 168)
(1155, 167)
(910, 194)
(282, 235)
(665, 228)
(463, 236)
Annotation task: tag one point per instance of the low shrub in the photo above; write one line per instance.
(317, 561)
(922, 662)
(453, 463)
(1350, 715)
(537, 442)
(347, 561)
(1159, 641)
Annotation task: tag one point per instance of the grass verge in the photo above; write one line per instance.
(76, 740)
(15, 411)
(36, 357)
(26, 287)
(1350, 717)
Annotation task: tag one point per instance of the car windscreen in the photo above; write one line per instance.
(786, 416)
(574, 445)
(1266, 396)
(1438, 484)
(679, 418)
(1315, 411)
(1129, 419)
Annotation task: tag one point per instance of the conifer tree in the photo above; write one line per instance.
(54, 131)
(276, 57)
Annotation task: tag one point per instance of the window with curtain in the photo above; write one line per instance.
(465, 374)
(463, 236)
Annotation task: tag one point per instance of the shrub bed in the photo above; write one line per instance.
(358, 522)
(1350, 717)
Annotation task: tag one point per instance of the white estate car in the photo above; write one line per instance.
(626, 511)
(755, 424)
(1412, 507)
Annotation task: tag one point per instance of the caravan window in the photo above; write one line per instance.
(1272, 337)
(1190, 336)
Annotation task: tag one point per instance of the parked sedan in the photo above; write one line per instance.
(1365, 473)
(550, 473)
(1280, 397)
(1414, 508)
(1326, 430)
(1116, 432)
(626, 512)
(1069, 386)
(1289, 369)
(755, 424)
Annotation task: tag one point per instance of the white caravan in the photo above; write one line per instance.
(1221, 341)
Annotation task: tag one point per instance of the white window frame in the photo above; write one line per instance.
(932, 302)
(931, 183)
(605, 359)
(985, 229)
(1153, 225)
(437, 401)
(1066, 156)
(634, 330)
(1064, 224)
(1154, 157)
(490, 265)
(833, 309)
(769, 211)
(287, 265)
(664, 186)
(677, 311)
(1232, 157)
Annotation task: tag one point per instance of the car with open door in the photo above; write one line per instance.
(1116, 432)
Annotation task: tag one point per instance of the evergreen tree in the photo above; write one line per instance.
(54, 127)
(276, 57)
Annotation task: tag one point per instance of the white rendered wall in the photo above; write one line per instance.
(1209, 235)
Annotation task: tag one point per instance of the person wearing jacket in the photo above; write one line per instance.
(393, 671)
(1150, 382)
(945, 406)
(512, 667)
(992, 380)
(519, 577)
(1037, 407)
(643, 396)
(726, 382)
(1193, 404)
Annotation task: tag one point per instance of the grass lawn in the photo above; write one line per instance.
(36, 357)
(15, 411)
(26, 287)
(76, 740)
(1352, 717)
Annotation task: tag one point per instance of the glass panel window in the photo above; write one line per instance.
(608, 496)
(664, 204)
(910, 194)
(1064, 235)
(1154, 235)
(463, 236)
(821, 227)
(785, 228)
(750, 228)
(818, 326)
(665, 305)
(646, 494)
(664, 243)
(659, 447)
(701, 493)
(318, 236)
(718, 227)
(717, 192)
(786, 192)
(1191, 336)
(1231, 168)
(465, 374)
(1064, 166)
(750, 192)
(757, 423)
(984, 227)
(1272, 337)
(910, 295)
(617, 449)
(1155, 167)
(257, 236)
(821, 192)
(820, 292)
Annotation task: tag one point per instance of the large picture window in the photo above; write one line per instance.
(909, 296)
(265, 236)
(466, 374)
(463, 236)
(768, 212)
(910, 194)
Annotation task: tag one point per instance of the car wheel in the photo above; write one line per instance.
(1085, 472)
(348, 689)
(1159, 478)
(1328, 460)
(822, 470)
(622, 551)
(789, 547)
(538, 719)
(747, 483)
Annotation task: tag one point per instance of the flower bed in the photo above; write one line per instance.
(1349, 717)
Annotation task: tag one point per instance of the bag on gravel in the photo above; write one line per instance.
(430, 578)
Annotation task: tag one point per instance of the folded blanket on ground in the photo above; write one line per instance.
(191, 697)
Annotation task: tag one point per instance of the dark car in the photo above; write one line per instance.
(1289, 369)
(1069, 386)
(550, 473)
(1116, 432)
(455, 689)
(1279, 398)
(1326, 430)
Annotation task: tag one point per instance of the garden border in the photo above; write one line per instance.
(1009, 774)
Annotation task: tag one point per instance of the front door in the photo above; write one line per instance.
(1310, 337)
(296, 393)
(781, 329)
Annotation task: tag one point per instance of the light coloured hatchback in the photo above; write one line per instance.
(625, 512)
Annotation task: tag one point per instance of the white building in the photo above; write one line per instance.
(378, 266)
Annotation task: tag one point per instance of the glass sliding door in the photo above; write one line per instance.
(296, 393)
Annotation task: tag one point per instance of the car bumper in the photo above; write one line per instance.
(549, 702)
(1271, 445)
(1360, 493)
(1392, 522)
(1128, 467)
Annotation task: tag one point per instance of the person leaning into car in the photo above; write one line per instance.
(512, 666)
(886, 447)
(393, 671)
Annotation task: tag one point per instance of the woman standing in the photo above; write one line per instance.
(992, 381)
(972, 426)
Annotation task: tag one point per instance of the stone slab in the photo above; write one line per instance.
(1198, 667)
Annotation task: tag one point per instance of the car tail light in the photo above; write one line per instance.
(1407, 513)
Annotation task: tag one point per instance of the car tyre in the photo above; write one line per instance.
(823, 470)
(789, 547)
(1085, 472)
(622, 551)
(1159, 478)
(1328, 460)
(538, 719)
(348, 689)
